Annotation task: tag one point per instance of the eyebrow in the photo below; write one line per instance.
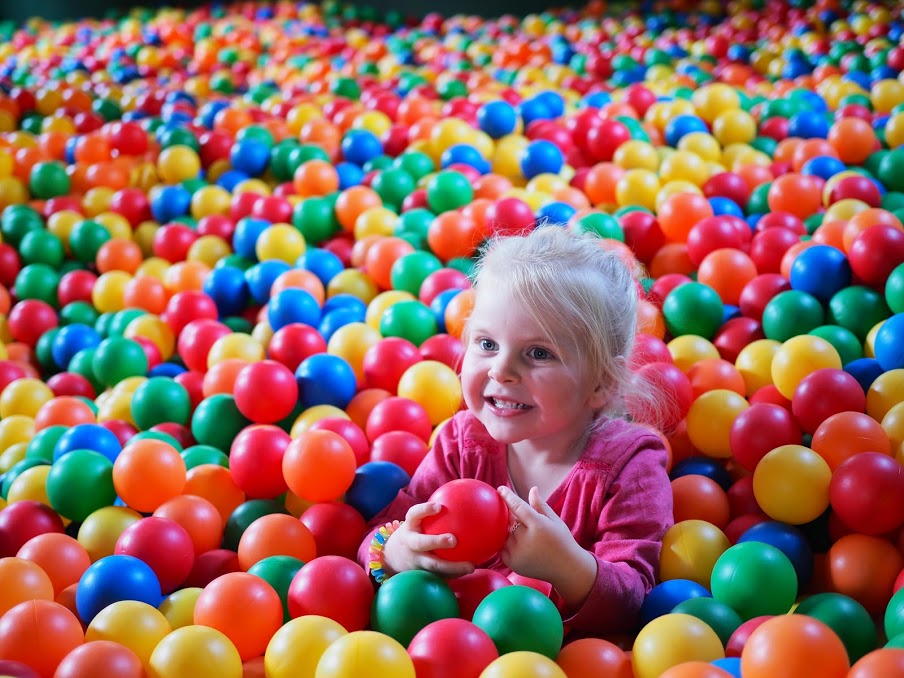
(475, 331)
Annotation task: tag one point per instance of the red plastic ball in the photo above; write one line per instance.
(604, 138)
(292, 344)
(386, 361)
(451, 648)
(133, 204)
(867, 493)
(757, 294)
(823, 393)
(10, 265)
(735, 334)
(185, 307)
(471, 589)
(332, 587)
(671, 387)
(727, 185)
(164, 545)
(255, 461)
(210, 565)
(642, 234)
(760, 429)
(445, 349)
(398, 414)
(716, 232)
(475, 514)
(172, 242)
(875, 253)
(349, 430)
(440, 281)
(400, 447)
(10, 371)
(22, 520)
(75, 286)
(769, 246)
(196, 340)
(741, 635)
(336, 528)
(266, 391)
(29, 319)
(509, 216)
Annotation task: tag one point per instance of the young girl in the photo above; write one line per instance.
(544, 375)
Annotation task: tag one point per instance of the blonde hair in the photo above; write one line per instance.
(576, 290)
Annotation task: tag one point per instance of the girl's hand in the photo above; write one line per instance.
(541, 546)
(409, 549)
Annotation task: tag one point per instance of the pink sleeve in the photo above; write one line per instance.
(635, 516)
(441, 465)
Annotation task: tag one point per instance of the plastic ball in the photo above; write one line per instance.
(690, 549)
(298, 646)
(325, 379)
(755, 579)
(275, 534)
(196, 650)
(370, 652)
(520, 618)
(865, 568)
(846, 617)
(23, 520)
(147, 473)
(333, 587)
(115, 578)
(790, 644)
(797, 358)
(39, 634)
(160, 400)
(823, 393)
(522, 663)
(265, 392)
(164, 545)
(433, 385)
(100, 656)
(791, 484)
(671, 640)
(132, 624)
(319, 466)
(707, 314)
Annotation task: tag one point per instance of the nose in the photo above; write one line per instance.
(503, 369)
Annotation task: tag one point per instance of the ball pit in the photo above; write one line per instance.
(234, 253)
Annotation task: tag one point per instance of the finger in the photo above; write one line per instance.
(446, 568)
(521, 511)
(431, 542)
(538, 503)
(418, 512)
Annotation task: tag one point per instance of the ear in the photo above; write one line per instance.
(599, 398)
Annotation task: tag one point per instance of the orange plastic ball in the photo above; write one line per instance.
(793, 645)
(319, 466)
(594, 657)
(215, 484)
(864, 567)
(276, 534)
(147, 473)
(39, 633)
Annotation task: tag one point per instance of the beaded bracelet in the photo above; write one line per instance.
(375, 553)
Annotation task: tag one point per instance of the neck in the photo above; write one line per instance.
(534, 452)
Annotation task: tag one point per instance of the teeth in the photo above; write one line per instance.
(508, 405)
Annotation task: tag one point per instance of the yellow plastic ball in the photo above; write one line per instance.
(690, 549)
(636, 154)
(734, 127)
(155, 267)
(97, 200)
(209, 249)
(350, 342)
(435, 386)
(701, 144)
(842, 210)
(312, 415)
(886, 94)
(178, 163)
(689, 349)
(30, 485)
(638, 187)
(144, 236)
(131, 623)
(108, 292)
(382, 303)
(376, 122)
(101, 530)
(16, 428)
(198, 651)
(365, 653)
(375, 221)
(791, 484)
(798, 357)
(893, 425)
(280, 242)
(179, 607)
(154, 329)
(297, 647)
(884, 393)
(354, 282)
(522, 664)
(116, 224)
(209, 200)
(236, 345)
(12, 455)
(710, 418)
(754, 362)
(25, 397)
(670, 640)
(61, 224)
(12, 192)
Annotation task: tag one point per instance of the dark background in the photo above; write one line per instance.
(21, 10)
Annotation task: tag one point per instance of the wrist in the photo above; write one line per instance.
(376, 555)
(575, 576)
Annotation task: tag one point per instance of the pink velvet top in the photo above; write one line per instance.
(617, 500)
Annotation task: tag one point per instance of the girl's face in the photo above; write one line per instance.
(519, 383)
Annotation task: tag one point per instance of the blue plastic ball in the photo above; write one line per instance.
(349, 175)
(823, 166)
(70, 340)
(541, 157)
(293, 305)
(730, 665)
(361, 145)
(889, 343)
(247, 231)
(555, 213)
(865, 371)
(703, 466)
(663, 597)
(376, 484)
(250, 156)
(88, 437)
(344, 301)
(322, 263)
(261, 277)
(112, 579)
(325, 379)
(170, 202)
(682, 125)
(722, 205)
(464, 154)
(438, 307)
(227, 286)
(338, 317)
(231, 178)
(497, 118)
(787, 539)
(821, 270)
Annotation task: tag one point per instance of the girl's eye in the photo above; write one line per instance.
(487, 344)
(538, 353)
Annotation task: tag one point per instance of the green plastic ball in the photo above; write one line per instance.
(520, 618)
(278, 571)
(78, 312)
(118, 358)
(601, 224)
(415, 163)
(894, 290)
(891, 170)
(160, 400)
(17, 220)
(754, 579)
(42, 247)
(410, 600)
(415, 221)
(217, 421)
(245, 514)
(858, 309)
(393, 185)
(48, 180)
(791, 313)
(410, 270)
(41, 446)
(38, 281)
(121, 320)
(847, 618)
(693, 308)
(79, 483)
(717, 615)
(86, 239)
(158, 435)
(315, 219)
(196, 455)
(448, 190)
(845, 342)
(410, 320)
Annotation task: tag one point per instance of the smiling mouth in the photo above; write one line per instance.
(506, 404)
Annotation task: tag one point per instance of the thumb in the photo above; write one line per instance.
(539, 503)
(519, 509)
